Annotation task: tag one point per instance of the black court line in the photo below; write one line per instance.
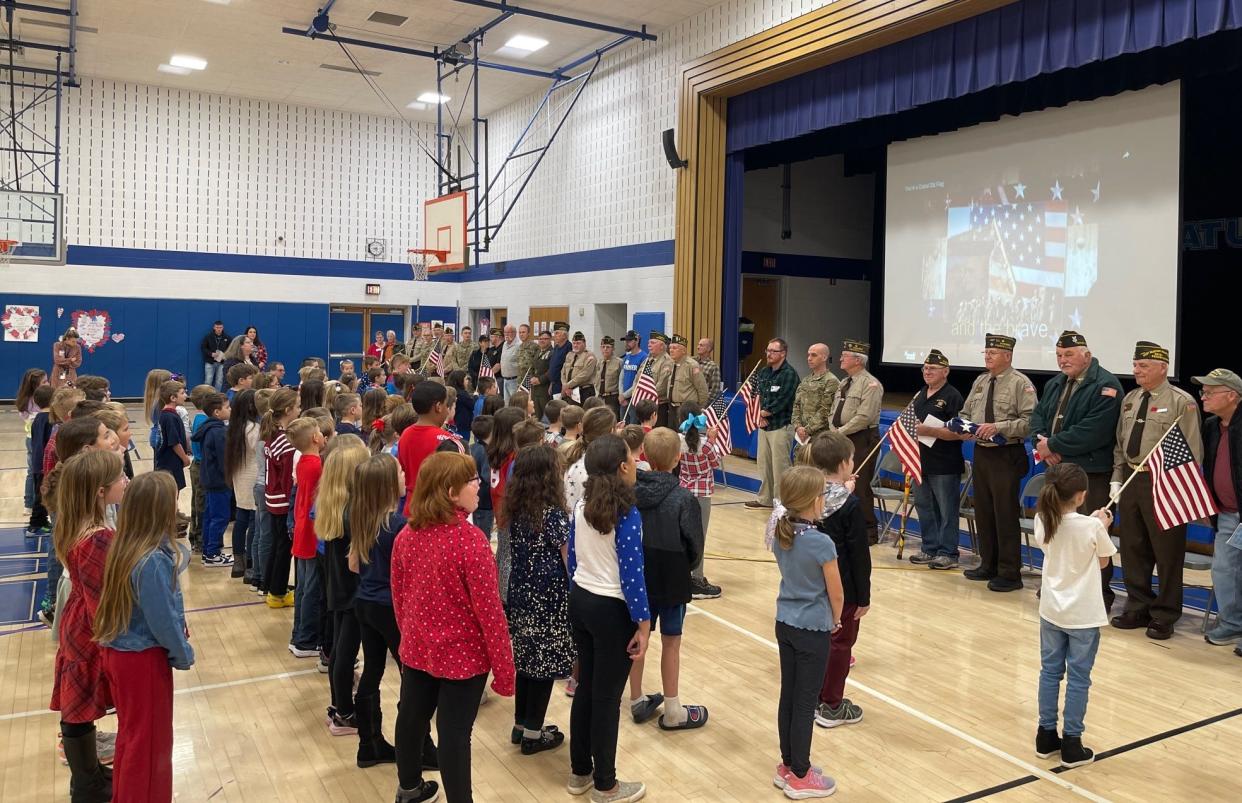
(1116, 751)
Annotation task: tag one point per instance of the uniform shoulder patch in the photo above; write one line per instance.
(873, 384)
(1109, 392)
(1030, 388)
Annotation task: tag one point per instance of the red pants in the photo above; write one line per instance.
(142, 690)
(839, 657)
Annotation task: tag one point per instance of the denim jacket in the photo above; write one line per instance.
(158, 618)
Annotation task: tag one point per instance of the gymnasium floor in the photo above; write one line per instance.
(946, 676)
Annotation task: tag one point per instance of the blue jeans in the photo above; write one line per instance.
(1227, 575)
(307, 604)
(28, 495)
(213, 374)
(484, 520)
(54, 571)
(215, 521)
(511, 386)
(243, 533)
(936, 499)
(1062, 650)
(259, 547)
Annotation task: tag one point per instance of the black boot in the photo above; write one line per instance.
(88, 784)
(1047, 743)
(1073, 754)
(239, 566)
(372, 747)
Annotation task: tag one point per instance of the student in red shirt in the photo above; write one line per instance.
(307, 438)
(419, 440)
(453, 629)
(278, 453)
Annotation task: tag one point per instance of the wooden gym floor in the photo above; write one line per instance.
(946, 675)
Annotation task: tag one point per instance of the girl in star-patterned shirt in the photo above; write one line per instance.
(453, 630)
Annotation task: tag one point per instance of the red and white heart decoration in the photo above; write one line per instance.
(21, 323)
(94, 326)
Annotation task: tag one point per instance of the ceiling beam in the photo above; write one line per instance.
(544, 15)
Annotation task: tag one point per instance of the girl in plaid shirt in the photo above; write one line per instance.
(699, 461)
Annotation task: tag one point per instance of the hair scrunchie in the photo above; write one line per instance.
(378, 425)
(698, 421)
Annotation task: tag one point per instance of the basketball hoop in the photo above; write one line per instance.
(8, 248)
(420, 259)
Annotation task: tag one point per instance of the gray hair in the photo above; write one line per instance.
(862, 358)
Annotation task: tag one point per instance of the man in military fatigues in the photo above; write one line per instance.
(1075, 421)
(686, 383)
(458, 357)
(1001, 402)
(661, 369)
(527, 351)
(1147, 412)
(541, 374)
(857, 416)
(711, 371)
(422, 347)
(444, 347)
(610, 375)
(816, 396)
(579, 372)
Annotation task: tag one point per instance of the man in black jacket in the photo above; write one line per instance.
(672, 544)
(1222, 468)
(214, 344)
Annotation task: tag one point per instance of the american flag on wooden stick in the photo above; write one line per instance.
(903, 439)
(485, 367)
(644, 386)
(436, 361)
(1179, 494)
(750, 399)
(716, 414)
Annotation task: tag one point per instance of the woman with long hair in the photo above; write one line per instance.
(259, 356)
(66, 359)
(240, 350)
(27, 409)
(241, 471)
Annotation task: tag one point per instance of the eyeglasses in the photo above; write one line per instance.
(774, 351)
(475, 481)
(1207, 394)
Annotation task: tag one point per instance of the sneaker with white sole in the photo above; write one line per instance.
(625, 792)
(781, 778)
(218, 561)
(845, 714)
(700, 588)
(942, 562)
(299, 652)
(922, 558)
(579, 784)
(815, 784)
(339, 725)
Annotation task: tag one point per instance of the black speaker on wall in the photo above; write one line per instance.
(670, 151)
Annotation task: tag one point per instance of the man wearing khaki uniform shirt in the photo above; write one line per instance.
(421, 347)
(662, 370)
(686, 383)
(579, 371)
(1001, 402)
(816, 396)
(610, 375)
(857, 416)
(1147, 412)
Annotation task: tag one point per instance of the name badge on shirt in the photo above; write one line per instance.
(774, 388)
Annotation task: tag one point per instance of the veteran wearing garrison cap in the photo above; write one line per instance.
(1147, 412)
(661, 370)
(1001, 402)
(686, 383)
(421, 347)
(541, 373)
(560, 352)
(580, 371)
(857, 416)
(610, 375)
(938, 497)
(1075, 421)
(494, 354)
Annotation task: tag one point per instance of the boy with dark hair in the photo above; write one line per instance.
(347, 409)
(672, 544)
(481, 428)
(429, 400)
(198, 498)
(217, 491)
(239, 378)
(306, 435)
(645, 413)
(40, 432)
(96, 388)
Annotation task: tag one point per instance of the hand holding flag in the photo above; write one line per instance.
(964, 426)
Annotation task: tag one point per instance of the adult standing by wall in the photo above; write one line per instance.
(259, 355)
(541, 374)
(580, 371)
(1003, 400)
(857, 416)
(631, 363)
(610, 375)
(507, 375)
(391, 347)
(66, 360)
(493, 353)
(560, 352)
(1222, 467)
(1147, 412)
(457, 357)
(661, 370)
(213, 346)
(703, 351)
(1075, 421)
(528, 350)
(777, 384)
(816, 396)
(421, 346)
(938, 497)
(686, 383)
(241, 350)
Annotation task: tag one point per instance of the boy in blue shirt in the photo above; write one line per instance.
(198, 397)
(210, 438)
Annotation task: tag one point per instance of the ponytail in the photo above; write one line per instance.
(1061, 483)
(281, 402)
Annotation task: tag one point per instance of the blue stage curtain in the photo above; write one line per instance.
(735, 167)
(1015, 43)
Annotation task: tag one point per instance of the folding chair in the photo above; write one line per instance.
(900, 499)
(1027, 523)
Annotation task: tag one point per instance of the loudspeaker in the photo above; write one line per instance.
(670, 151)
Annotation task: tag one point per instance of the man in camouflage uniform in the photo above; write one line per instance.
(527, 352)
(541, 374)
(711, 371)
(686, 381)
(816, 396)
(857, 416)
(610, 375)
(579, 372)
(1001, 402)
(458, 356)
(421, 347)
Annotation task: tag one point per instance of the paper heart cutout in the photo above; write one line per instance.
(60, 312)
(118, 337)
(21, 324)
(93, 327)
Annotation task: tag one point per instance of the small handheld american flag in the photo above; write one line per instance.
(1178, 491)
(644, 386)
(903, 439)
(718, 419)
(750, 398)
(436, 360)
(485, 367)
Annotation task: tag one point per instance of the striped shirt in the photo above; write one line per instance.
(279, 453)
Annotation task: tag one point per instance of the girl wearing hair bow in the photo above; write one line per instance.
(699, 459)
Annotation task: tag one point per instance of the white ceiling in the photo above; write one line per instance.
(248, 56)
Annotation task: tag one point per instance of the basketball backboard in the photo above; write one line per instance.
(33, 219)
(444, 228)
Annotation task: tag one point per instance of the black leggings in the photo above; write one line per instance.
(72, 730)
(455, 704)
(344, 654)
(530, 702)
(804, 657)
(276, 572)
(602, 630)
(379, 635)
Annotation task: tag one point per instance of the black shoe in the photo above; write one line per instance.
(1047, 743)
(1073, 754)
(549, 739)
(700, 588)
(427, 792)
(375, 752)
(1130, 620)
(648, 708)
(755, 504)
(1004, 584)
(239, 566)
(373, 748)
(88, 783)
(1160, 631)
(1237, 651)
(978, 573)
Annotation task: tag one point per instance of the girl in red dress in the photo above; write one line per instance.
(89, 482)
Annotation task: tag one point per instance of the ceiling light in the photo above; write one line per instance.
(528, 43)
(432, 97)
(416, 106)
(188, 62)
(172, 70)
(384, 18)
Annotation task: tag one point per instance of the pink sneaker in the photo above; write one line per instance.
(782, 775)
(571, 688)
(815, 784)
(853, 661)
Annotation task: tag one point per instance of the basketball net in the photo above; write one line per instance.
(420, 261)
(8, 248)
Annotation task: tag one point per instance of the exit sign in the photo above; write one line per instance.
(769, 263)
(373, 289)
